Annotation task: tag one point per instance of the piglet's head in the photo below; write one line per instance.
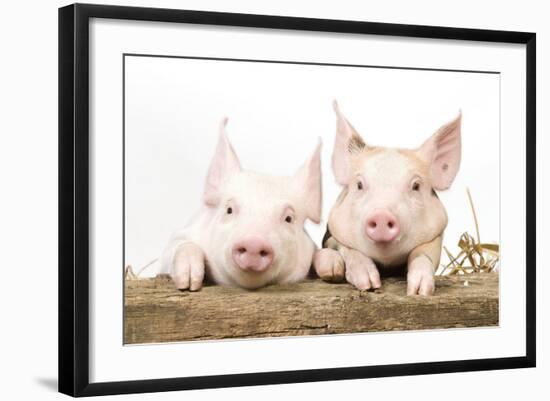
(389, 204)
(256, 233)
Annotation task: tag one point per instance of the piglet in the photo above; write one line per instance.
(249, 231)
(388, 212)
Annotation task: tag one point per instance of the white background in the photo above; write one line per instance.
(29, 203)
(277, 112)
(111, 362)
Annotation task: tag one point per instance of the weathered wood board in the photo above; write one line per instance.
(156, 312)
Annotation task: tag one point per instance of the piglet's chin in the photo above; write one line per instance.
(387, 253)
(253, 281)
(236, 276)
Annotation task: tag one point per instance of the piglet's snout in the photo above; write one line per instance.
(253, 254)
(382, 226)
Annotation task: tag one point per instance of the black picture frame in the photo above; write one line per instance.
(74, 197)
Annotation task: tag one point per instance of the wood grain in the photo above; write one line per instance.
(156, 312)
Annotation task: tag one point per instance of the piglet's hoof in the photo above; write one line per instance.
(420, 278)
(361, 271)
(188, 273)
(329, 265)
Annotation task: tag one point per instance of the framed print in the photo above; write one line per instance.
(251, 199)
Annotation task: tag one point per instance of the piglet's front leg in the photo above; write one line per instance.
(361, 271)
(421, 266)
(189, 267)
(338, 261)
(329, 265)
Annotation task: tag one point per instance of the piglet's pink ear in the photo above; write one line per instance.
(442, 152)
(347, 142)
(223, 165)
(308, 182)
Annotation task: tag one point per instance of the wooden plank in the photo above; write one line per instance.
(156, 312)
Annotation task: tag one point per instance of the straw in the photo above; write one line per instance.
(129, 272)
(474, 256)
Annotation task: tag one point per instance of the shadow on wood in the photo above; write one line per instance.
(156, 312)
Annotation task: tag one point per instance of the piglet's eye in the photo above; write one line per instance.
(416, 186)
(288, 219)
(359, 185)
(229, 210)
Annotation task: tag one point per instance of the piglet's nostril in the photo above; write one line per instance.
(241, 250)
(263, 253)
(390, 224)
(372, 224)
